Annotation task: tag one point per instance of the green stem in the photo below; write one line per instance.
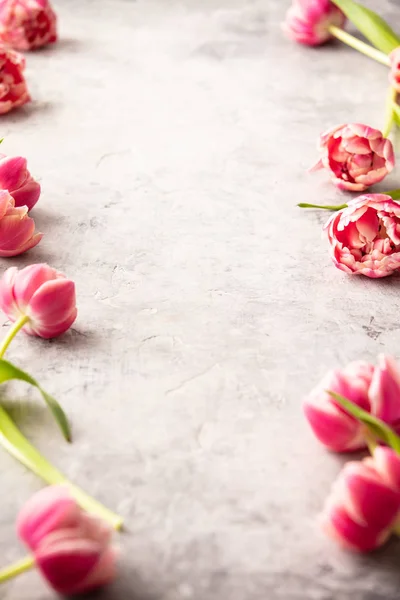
(357, 44)
(17, 569)
(324, 207)
(18, 446)
(12, 333)
(396, 109)
(391, 100)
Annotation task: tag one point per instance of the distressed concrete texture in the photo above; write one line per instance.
(172, 140)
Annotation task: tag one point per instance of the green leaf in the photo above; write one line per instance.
(377, 427)
(9, 371)
(394, 194)
(371, 25)
(396, 112)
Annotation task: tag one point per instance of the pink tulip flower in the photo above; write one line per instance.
(308, 21)
(365, 236)
(13, 88)
(374, 389)
(16, 179)
(27, 24)
(363, 509)
(43, 295)
(356, 156)
(17, 230)
(394, 73)
(71, 549)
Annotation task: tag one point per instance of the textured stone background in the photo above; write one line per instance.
(172, 139)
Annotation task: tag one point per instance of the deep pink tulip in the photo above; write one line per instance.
(71, 549)
(365, 236)
(308, 21)
(41, 293)
(374, 389)
(394, 73)
(356, 156)
(27, 24)
(364, 506)
(15, 177)
(17, 230)
(13, 88)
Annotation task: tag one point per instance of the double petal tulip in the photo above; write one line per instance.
(356, 156)
(308, 21)
(363, 509)
(13, 88)
(374, 389)
(71, 549)
(27, 24)
(41, 296)
(365, 236)
(16, 179)
(394, 73)
(17, 230)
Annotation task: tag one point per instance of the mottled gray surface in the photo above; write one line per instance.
(172, 139)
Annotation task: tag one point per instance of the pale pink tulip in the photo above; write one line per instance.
(308, 21)
(13, 88)
(27, 24)
(365, 236)
(374, 389)
(17, 230)
(356, 156)
(16, 179)
(42, 294)
(394, 73)
(71, 549)
(364, 505)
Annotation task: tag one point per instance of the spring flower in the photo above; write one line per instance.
(363, 509)
(13, 88)
(40, 298)
(374, 389)
(16, 179)
(27, 24)
(365, 236)
(71, 549)
(356, 156)
(308, 21)
(17, 230)
(394, 73)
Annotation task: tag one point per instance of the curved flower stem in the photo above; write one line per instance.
(324, 207)
(391, 100)
(12, 333)
(18, 446)
(17, 569)
(359, 45)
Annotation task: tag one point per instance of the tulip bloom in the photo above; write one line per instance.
(71, 549)
(39, 298)
(13, 88)
(363, 509)
(308, 21)
(394, 74)
(16, 179)
(356, 156)
(374, 389)
(365, 236)
(17, 230)
(27, 24)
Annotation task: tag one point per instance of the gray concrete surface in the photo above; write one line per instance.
(172, 139)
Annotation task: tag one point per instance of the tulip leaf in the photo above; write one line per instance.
(9, 371)
(396, 113)
(371, 25)
(377, 427)
(394, 194)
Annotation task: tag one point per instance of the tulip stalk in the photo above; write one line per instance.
(359, 45)
(17, 326)
(390, 114)
(23, 565)
(322, 206)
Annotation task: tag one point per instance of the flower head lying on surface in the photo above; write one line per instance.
(27, 24)
(16, 179)
(17, 230)
(375, 389)
(43, 295)
(364, 506)
(365, 236)
(71, 549)
(356, 156)
(13, 88)
(308, 21)
(394, 73)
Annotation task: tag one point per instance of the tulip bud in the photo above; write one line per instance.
(308, 21)
(13, 88)
(394, 73)
(16, 179)
(17, 230)
(27, 24)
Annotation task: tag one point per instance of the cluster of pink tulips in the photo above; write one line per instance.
(67, 532)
